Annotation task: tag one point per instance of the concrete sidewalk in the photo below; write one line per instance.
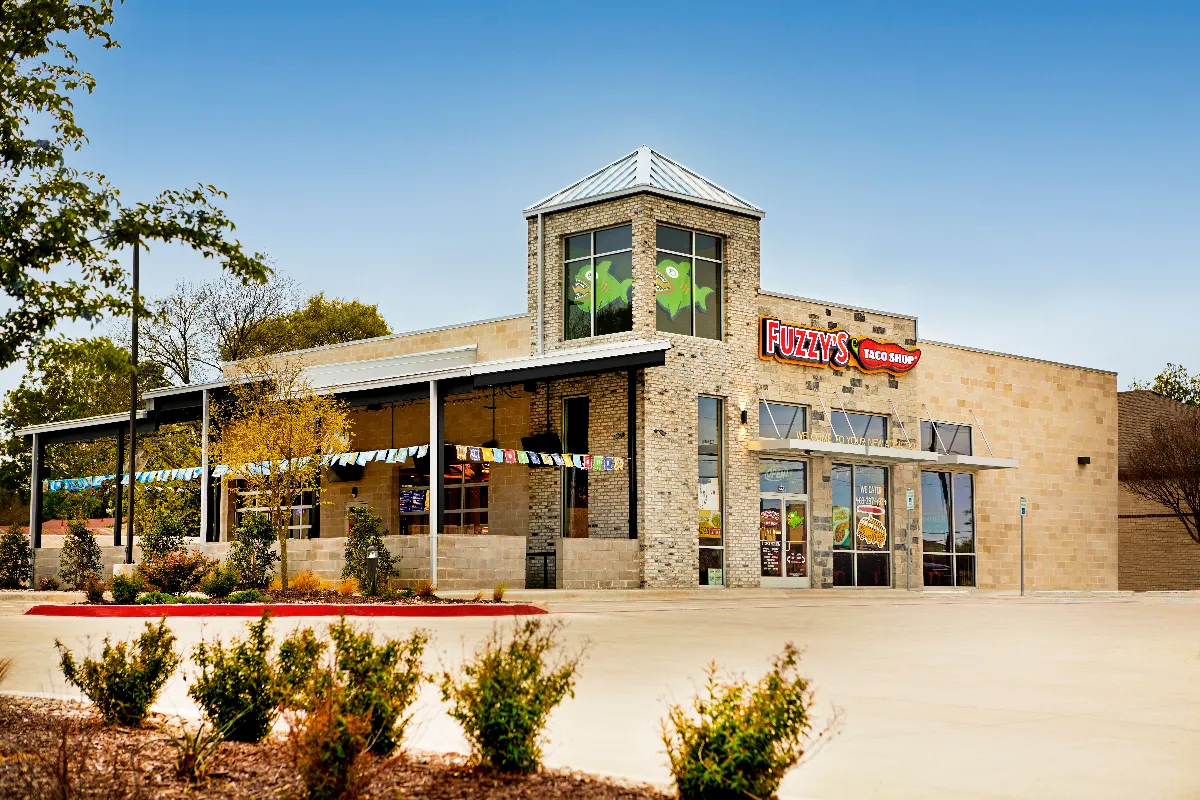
(944, 695)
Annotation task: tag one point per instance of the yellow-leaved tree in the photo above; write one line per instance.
(272, 435)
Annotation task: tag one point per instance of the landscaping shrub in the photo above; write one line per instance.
(193, 749)
(296, 670)
(49, 585)
(164, 525)
(236, 685)
(305, 581)
(220, 582)
(192, 600)
(125, 589)
(80, 558)
(381, 681)
(250, 553)
(126, 679)
(498, 593)
(156, 599)
(94, 589)
(348, 587)
(743, 737)
(15, 556)
(176, 572)
(366, 531)
(326, 743)
(425, 590)
(247, 596)
(505, 693)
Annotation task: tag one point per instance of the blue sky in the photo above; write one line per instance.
(1023, 177)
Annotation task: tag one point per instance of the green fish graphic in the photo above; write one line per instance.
(673, 287)
(607, 288)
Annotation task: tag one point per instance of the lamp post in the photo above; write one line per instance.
(133, 397)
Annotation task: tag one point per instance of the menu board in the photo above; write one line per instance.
(770, 557)
(414, 500)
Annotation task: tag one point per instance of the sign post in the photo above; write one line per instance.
(1022, 546)
(909, 503)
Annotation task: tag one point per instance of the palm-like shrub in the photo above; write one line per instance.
(125, 681)
(366, 531)
(503, 696)
(15, 556)
(80, 558)
(250, 553)
(741, 738)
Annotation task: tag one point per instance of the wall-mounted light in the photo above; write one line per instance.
(354, 491)
(745, 416)
(1085, 460)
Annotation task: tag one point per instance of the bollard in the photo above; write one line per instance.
(372, 562)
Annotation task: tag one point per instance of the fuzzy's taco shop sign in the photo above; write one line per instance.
(796, 344)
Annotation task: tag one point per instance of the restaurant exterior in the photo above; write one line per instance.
(657, 419)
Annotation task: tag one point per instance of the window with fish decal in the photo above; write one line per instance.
(598, 282)
(687, 283)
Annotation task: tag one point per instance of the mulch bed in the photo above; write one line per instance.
(38, 736)
(331, 596)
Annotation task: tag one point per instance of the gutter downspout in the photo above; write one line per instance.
(541, 279)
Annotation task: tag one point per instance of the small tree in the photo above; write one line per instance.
(1164, 467)
(250, 553)
(165, 523)
(366, 531)
(273, 437)
(14, 558)
(80, 558)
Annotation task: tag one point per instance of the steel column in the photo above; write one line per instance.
(631, 460)
(35, 505)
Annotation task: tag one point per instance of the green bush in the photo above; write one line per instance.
(165, 518)
(157, 599)
(366, 531)
(14, 558)
(326, 742)
(125, 589)
(381, 680)
(505, 694)
(220, 582)
(743, 737)
(80, 558)
(49, 584)
(247, 596)
(177, 572)
(125, 681)
(297, 670)
(250, 553)
(192, 600)
(94, 589)
(236, 685)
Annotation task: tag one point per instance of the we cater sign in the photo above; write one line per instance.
(796, 344)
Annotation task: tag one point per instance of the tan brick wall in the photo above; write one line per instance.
(1045, 415)
(1156, 552)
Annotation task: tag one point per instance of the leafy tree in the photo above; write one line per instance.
(80, 558)
(250, 553)
(317, 323)
(273, 438)
(367, 531)
(15, 557)
(63, 229)
(1174, 382)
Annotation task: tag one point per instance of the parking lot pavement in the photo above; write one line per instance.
(985, 696)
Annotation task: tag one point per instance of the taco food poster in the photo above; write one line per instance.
(870, 507)
(841, 526)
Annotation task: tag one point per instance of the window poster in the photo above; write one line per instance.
(770, 539)
(841, 526)
(710, 510)
(870, 505)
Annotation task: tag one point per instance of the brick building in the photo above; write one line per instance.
(1155, 550)
(735, 436)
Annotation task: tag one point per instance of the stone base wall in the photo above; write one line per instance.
(599, 563)
(48, 559)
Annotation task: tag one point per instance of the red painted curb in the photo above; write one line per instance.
(289, 610)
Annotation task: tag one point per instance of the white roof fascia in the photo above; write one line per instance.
(976, 462)
(73, 424)
(864, 451)
(553, 358)
(401, 380)
(167, 391)
(353, 373)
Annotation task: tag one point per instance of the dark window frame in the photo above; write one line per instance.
(569, 265)
(952, 553)
(719, 261)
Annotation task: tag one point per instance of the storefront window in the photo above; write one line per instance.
(945, 437)
(575, 481)
(464, 498)
(301, 516)
(948, 528)
(710, 451)
(860, 526)
(598, 283)
(779, 421)
(857, 428)
(687, 283)
(782, 477)
(783, 518)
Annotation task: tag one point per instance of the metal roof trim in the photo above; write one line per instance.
(75, 424)
(610, 350)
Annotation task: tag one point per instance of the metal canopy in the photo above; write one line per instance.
(974, 463)
(645, 170)
(889, 455)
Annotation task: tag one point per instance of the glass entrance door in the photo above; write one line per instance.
(783, 540)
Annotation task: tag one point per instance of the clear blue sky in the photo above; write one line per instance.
(1024, 177)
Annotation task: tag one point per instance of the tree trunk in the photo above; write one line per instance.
(283, 565)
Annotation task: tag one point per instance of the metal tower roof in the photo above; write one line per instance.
(645, 170)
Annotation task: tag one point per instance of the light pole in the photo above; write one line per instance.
(133, 397)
